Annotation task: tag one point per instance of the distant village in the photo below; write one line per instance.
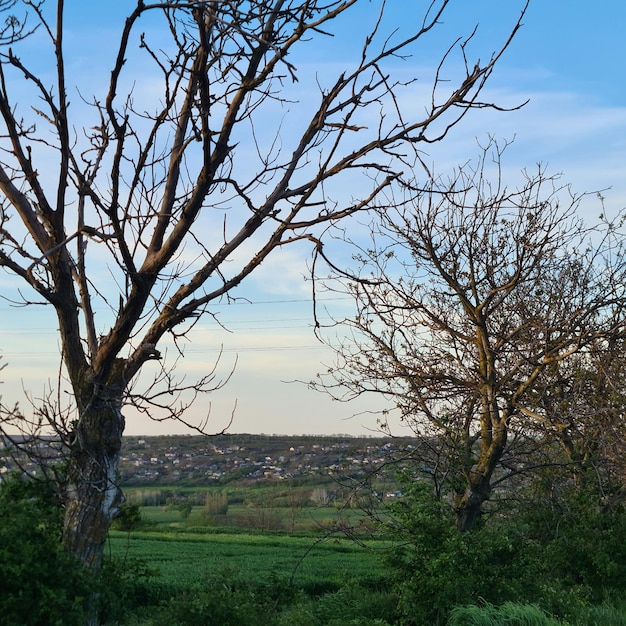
(219, 460)
(228, 458)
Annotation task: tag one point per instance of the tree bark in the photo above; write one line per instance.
(469, 505)
(478, 489)
(92, 494)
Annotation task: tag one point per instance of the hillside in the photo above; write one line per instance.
(195, 460)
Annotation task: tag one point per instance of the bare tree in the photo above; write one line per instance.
(469, 299)
(582, 402)
(181, 196)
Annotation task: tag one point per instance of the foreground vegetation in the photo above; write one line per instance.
(555, 564)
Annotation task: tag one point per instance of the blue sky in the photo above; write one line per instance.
(567, 60)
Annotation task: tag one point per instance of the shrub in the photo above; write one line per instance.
(127, 587)
(215, 503)
(437, 568)
(224, 599)
(352, 605)
(128, 518)
(40, 582)
(584, 544)
(562, 555)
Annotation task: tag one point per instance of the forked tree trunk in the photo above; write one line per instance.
(92, 495)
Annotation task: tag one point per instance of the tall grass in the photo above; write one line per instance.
(603, 615)
(512, 614)
(509, 614)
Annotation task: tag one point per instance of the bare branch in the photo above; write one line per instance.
(160, 205)
(470, 298)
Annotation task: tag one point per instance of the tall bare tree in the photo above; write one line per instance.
(182, 194)
(470, 298)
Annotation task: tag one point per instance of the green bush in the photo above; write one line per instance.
(351, 605)
(584, 544)
(437, 568)
(216, 503)
(128, 518)
(40, 583)
(128, 587)
(225, 599)
(562, 555)
(229, 598)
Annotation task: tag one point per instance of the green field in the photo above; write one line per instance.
(315, 519)
(178, 564)
(229, 575)
(182, 559)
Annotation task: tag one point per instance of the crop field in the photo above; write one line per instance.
(183, 559)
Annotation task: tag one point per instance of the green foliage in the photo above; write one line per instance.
(40, 583)
(225, 599)
(216, 503)
(272, 579)
(127, 586)
(438, 568)
(562, 555)
(531, 615)
(351, 605)
(148, 497)
(279, 580)
(583, 543)
(235, 474)
(316, 566)
(509, 613)
(128, 518)
(185, 509)
(229, 599)
(602, 615)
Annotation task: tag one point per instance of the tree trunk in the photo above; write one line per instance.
(92, 496)
(469, 505)
(478, 486)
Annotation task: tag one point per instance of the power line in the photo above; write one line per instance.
(190, 350)
(230, 326)
(239, 301)
(307, 322)
(205, 325)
